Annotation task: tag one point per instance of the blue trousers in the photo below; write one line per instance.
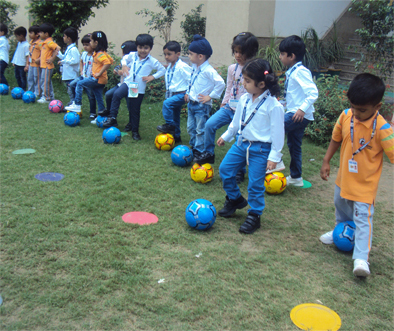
(295, 132)
(235, 160)
(3, 66)
(197, 116)
(89, 93)
(33, 80)
(97, 90)
(20, 76)
(172, 111)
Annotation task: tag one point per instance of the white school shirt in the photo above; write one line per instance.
(301, 91)
(87, 63)
(4, 49)
(205, 80)
(148, 64)
(234, 84)
(70, 61)
(268, 124)
(22, 50)
(179, 77)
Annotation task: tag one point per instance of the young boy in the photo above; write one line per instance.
(69, 61)
(177, 79)
(136, 68)
(364, 135)
(300, 94)
(33, 74)
(21, 57)
(205, 85)
(4, 52)
(49, 50)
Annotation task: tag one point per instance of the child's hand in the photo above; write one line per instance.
(59, 62)
(204, 98)
(298, 116)
(220, 141)
(325, 171)
(96, 75)
(26, 69)
(37, 61)
(186, 98)
(125, 70)
(271, 165)
(148, 78)
(49, 61)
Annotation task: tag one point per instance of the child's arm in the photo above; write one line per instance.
(54, 54)
(27, 64)
(229, 85)
(217, 89)
(81, 67)
(233, 127)
(325, 168)
(277, 129)
(103, 69)
(160, 72)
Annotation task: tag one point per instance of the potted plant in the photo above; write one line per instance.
(334, 51)
(314, 58)
(271, 54)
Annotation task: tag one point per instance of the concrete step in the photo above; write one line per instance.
(355, 42)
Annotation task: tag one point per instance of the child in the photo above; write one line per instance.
(259, 125)
(141, 64)
(4, 52)
(49, 50)
(69, 61)
(205, 85)
(364, 135)
(300, 94)
(177, 79)
(33, 74)
(21, 57)
(101, 62)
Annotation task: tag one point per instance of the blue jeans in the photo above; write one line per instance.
(97, 90)
(295, 132)
(197, 116)
(235, 160)
(172, 111)
(89, 93)
(3, 66)
(20, 76)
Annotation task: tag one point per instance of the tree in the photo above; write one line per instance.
(193, 24)
(7, 10)
(64, 14)
(161, 21)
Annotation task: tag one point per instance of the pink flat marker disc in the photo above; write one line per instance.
(140, 217)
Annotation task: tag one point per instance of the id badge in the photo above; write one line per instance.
(133, 90)
(233, 103)
(353, 167)
(168, 94)
(283, 103)
(239, 141)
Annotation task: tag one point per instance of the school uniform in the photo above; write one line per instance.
(47, 47)
(69, 62)
(33, 74)
(19, 62)
(4, 58)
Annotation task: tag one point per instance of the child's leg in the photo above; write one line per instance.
(73, 86)
(97, 90)
(191, 124)
(134, 112)
(362, 217)
(109, 95)
(46, 86)
(30, 79)
(92, 101)
(172, 111)
(37, 81)
(69, 90)
(18, 75)
(118, 95)
(3, 66)
(343, 207)
(23, 77)
(201, 115)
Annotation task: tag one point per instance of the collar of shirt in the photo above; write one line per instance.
(252, 105)
(289, 70)
(368, 123)
(203, 66)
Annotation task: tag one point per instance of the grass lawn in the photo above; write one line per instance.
(68, 261)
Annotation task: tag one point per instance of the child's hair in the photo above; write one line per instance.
(293, 45)
(366, 89)
(144, 39)
(260, 71)
(86, 39)
(35, 29)
(173, 46)
(4, 28)
(248, 44)
(101, 38)
(20, 31)
(71, 33)
(47, 28)
(128, 47)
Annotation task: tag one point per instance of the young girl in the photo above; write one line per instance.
(101, 62)
(259, 125)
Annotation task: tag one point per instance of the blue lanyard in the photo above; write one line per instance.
(135, 73)
(287, 77)
(236, 82)
(352, 133)
(68, 50)
(243, 123)
(169, 75)
(192, 81)
(86, 66)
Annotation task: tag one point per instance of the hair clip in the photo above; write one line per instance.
(89, 34)
(99, 34)
(123, 46)
(242, 34)
(266, 72)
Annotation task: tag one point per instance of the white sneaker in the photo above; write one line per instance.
(73, 107)
(361, 268)
(295, 181)
(279, 167)
(327, 238)
(93, 121)
(42, 100)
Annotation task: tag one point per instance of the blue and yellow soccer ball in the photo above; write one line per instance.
(164, 141)
(275, 183)
(17, 92)
(200, 214)
(112, 135)
(4, 89)
(182, 156)
(71, 119)
(100, 120)
(343, 235)
(29, 97)
(201, 173)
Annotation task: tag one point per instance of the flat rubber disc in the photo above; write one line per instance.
(140, 217)
(314, 317)
(49, 177)
(24, 151)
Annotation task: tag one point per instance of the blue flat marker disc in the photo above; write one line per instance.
(49, 177)
(24, 151)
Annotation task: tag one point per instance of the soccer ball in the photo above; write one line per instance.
(343, 235)
(71, 119)
(275, 183)
(200, 214)
(4, 89)
(112, 135)
(55, 106)
(28, 97)
(17, 92)
(201, 174)
(182, 155)
(100, 120)
(164, 141)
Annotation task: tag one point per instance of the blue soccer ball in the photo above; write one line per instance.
(17, 92)
(200, 214)
(182, 155)
(112, 135)
(343, 235)
(28, 97)
(100, 120)
(4, 89)
(71, 119)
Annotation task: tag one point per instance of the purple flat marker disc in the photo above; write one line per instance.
(49, 177)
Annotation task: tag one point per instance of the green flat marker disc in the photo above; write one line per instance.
(124, 134)
(306, 184)
(24, 151)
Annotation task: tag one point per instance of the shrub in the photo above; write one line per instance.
(193, 24)
(113, 79)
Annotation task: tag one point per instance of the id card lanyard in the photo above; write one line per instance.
(69, 48)
(169, 75)
(135, 73)
(193, 80)
(288, 77)
(86, 66)
(233, 102)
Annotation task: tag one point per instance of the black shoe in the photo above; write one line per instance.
(136, 135)
(103, 113)
(240, 176)
(110, 122)
(92, 116)
(251, 224)
(196, 153)
(128, 128)
(230, 206)
(178, 140)
(205, 157)
(166, 128)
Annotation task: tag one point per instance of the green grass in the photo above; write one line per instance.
(68, 261)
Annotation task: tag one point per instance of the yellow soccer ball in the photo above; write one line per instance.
(164, 141)
(201, 174)
(275, 183)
